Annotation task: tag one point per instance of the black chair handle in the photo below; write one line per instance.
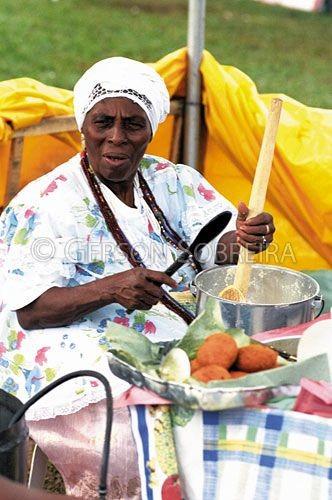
(109, 407)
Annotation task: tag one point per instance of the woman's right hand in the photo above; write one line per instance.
(137, 288)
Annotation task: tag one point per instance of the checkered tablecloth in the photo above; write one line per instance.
(239, 454)
(266, 454)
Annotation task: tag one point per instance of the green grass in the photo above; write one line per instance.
(281, 50)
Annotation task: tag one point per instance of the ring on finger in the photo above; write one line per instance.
(264, 242)
(267, 228)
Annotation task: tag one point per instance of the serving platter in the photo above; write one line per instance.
(196, 396)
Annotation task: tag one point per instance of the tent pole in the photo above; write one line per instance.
(195, 43)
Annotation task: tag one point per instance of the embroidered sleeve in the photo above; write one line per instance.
(31, 259)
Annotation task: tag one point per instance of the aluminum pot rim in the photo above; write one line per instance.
(280, 304)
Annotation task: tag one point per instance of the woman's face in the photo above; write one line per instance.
(117, 132)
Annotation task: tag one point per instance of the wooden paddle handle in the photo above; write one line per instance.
(264, 164)
(258, 190)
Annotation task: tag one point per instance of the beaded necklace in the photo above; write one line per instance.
(132, 255)
(169, 234)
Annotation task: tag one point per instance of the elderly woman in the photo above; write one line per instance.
(87, 244)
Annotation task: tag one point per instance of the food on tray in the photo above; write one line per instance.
(175, 366)
(255, 358)
(219, 352)
(211, 372)
(194, 365)
(237, 373)
(218, 349)
(136, 359)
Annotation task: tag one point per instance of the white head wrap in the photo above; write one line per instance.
(122, 77)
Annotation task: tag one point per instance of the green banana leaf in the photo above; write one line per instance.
(137, 350)
(133, 347)
(207, 323)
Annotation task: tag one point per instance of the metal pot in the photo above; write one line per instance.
(277, 297)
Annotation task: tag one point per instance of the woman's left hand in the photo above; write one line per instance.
(255, 233)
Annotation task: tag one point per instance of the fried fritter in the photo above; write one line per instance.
(255, 358)
(194, 365)
(215, 336)
(237, 373)
(218, 349)
(211, 372)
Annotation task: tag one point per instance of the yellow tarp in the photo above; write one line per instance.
(299, 194)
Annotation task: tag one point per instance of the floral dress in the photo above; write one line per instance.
(53, 234)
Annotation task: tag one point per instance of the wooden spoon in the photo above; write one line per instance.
(238, 291)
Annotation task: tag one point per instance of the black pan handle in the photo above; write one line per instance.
(321, 303)
(183, 257)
